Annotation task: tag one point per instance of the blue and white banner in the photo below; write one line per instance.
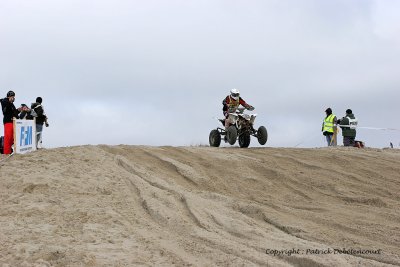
(24, 136)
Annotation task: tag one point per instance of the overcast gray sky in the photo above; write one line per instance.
(155, 72)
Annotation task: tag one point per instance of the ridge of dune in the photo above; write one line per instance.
(199, 206)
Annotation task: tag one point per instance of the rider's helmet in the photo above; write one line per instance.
(235, 93)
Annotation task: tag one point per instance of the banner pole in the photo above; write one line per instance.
(35, 134)
(15, 136)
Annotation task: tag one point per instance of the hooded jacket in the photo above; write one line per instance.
(348, 131)
(9, 110)
(41, 117)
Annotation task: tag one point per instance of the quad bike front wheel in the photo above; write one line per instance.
(215, 138)
(231, 135)
(244, 140)
(262, 135)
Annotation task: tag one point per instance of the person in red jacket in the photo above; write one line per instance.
(9, 112)
(231, 103)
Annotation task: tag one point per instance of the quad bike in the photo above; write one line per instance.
(241, 129)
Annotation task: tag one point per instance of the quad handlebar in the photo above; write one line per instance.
(240, 110)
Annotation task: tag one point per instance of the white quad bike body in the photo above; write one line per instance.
(241, 128)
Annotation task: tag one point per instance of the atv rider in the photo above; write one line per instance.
(231, 103)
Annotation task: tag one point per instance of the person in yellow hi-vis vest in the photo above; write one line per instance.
(329, 127)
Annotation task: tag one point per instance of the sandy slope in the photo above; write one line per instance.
(198, 206)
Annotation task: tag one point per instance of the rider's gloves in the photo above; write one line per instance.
(249, 107)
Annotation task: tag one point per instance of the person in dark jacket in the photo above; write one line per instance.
(348, 124)
(9, 112)
(37, 112)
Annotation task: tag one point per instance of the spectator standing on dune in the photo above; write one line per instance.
(329, 127)
(9, 113)
(348, 124)
(37, 112)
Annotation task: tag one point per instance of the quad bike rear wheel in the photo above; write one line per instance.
(262, 135)
(215, 138)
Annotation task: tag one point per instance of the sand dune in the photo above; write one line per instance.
(200, 206)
